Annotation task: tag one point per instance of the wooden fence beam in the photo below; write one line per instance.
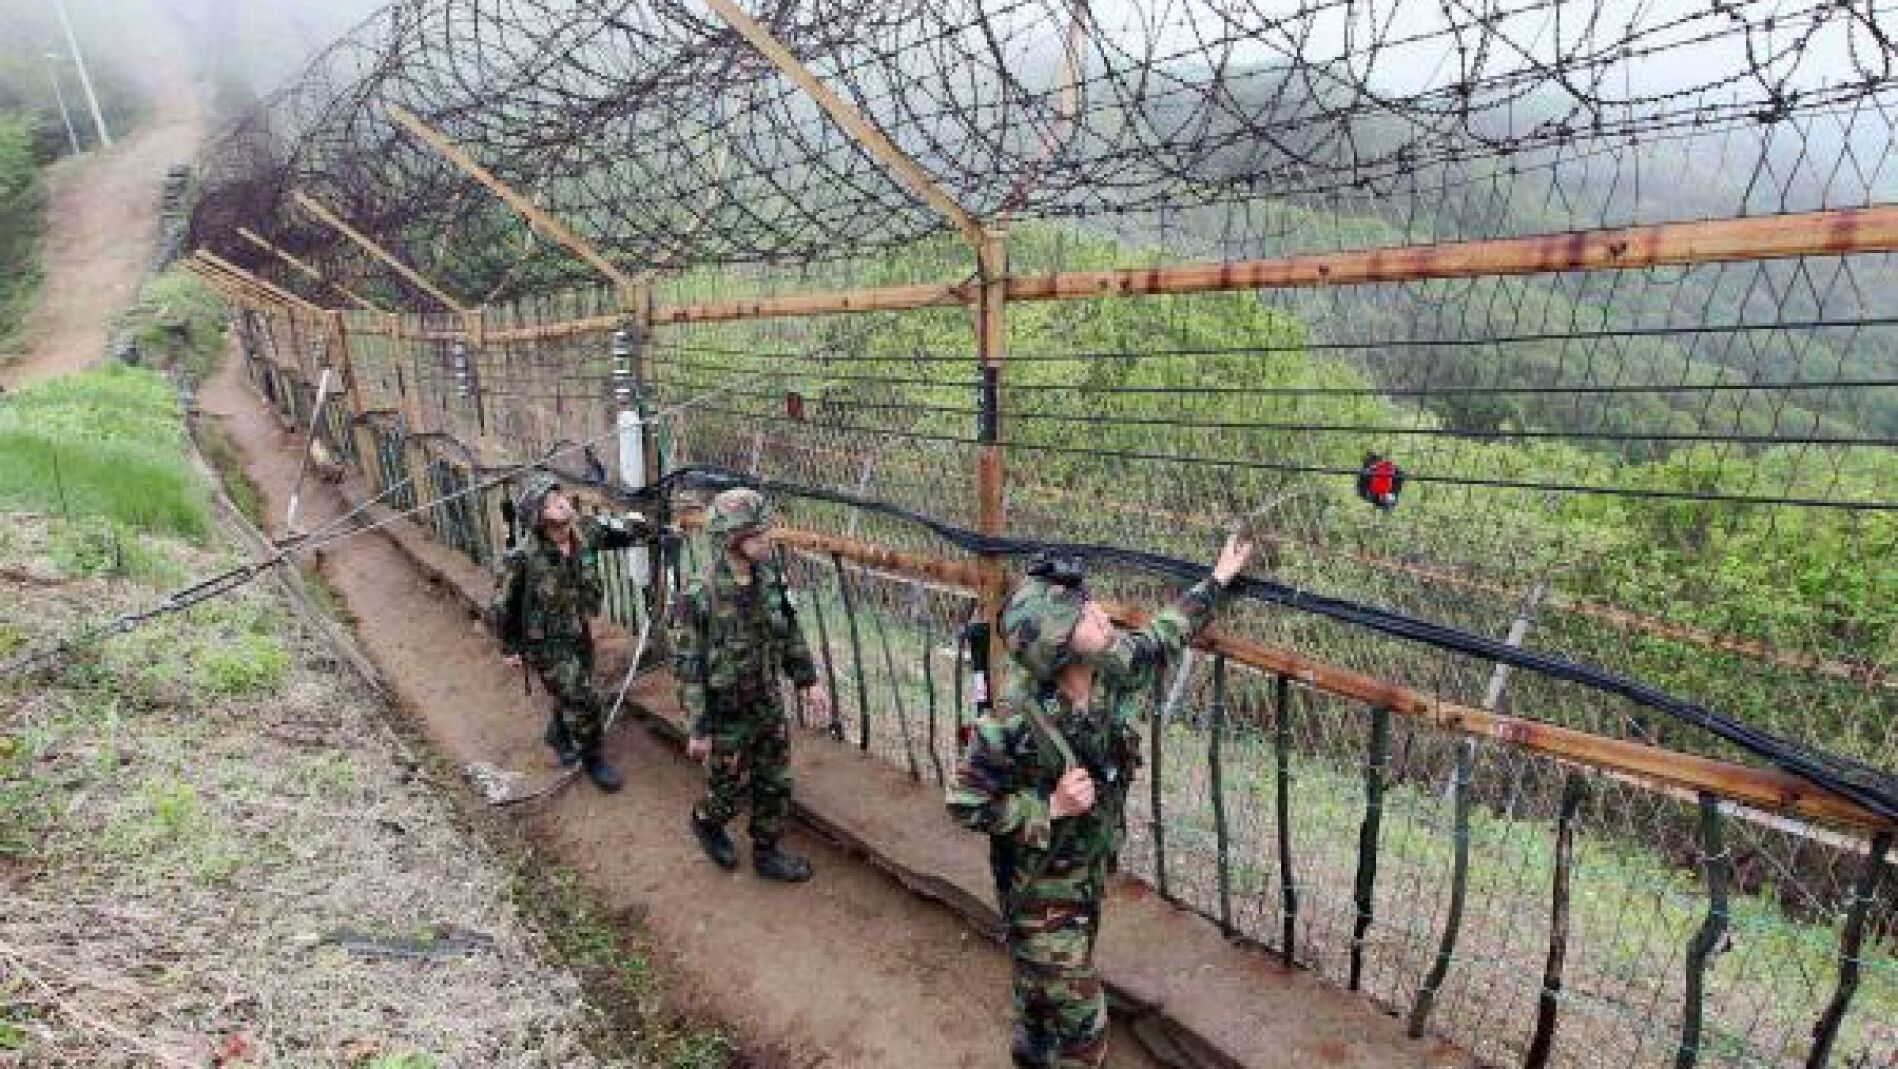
(1636, 763)
(230, 290)
(873, 140)
(308, 271)
(1648, 766)
(201, 263)
(258, 285)
(335, 222)
(1819, 233)
(536, 217)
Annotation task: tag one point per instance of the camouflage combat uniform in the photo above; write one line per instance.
(732, 637)
(1050, 876)
(543, 605)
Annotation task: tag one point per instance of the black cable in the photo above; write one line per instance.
(1874, 789)
(1453, 480)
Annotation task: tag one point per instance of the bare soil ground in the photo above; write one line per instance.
(849, 970)
(102, 214)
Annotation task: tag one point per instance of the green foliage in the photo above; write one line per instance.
(22, 199)
(27, 803)
(167, 829)
(617, 964)
(106, 443)
(222, 453)
(179, 324)
(1184, 408)
(245, 665)
(98, 547)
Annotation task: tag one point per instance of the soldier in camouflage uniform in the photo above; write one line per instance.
(1046, 776)
(549, 590)
(734, 630)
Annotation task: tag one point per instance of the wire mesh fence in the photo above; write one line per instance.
(1352, 259)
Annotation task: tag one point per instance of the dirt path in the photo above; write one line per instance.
(849, 970)
(102, 215)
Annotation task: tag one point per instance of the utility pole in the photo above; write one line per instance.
(85, 79)
(65, 114)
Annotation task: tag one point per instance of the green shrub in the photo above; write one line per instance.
(178, 324)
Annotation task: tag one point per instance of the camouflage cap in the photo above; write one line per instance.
(1037, 623)
(533, 497)
(738, 509)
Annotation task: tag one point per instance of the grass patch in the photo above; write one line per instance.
(221, 452)
(243, 666)
(178, 324)
(107, 444)
(616, 964)
(95, 547)
(167, 828)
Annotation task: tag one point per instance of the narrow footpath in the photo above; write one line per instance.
(851, 969)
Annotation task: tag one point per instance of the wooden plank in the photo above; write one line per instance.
(872, 140)
(1641, 765)
(334, 222)
(1661, 245)
(310, 272)
(1820, 233)
(244, 288)
(225, 287)
(247, 280)
(1767, 789)
(536, 217)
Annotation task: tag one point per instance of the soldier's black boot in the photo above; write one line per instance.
(775, 864)
(1028, 1050)
(716, 844)
(603, 775)
(558, 737)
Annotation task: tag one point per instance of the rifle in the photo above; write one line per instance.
(511, 516)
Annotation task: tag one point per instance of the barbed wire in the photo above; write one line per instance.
(620, 116)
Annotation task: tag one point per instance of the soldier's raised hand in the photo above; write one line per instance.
(699, 749)
(512, 660)
(1233, 559)
(1073, 795)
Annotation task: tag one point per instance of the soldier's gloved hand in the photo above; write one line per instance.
(1073, 795)
(671, 537)
(817, 702)
(699, 749)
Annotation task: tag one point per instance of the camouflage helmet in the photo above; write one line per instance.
(737, 510)
(1037, 623)
(533, 497)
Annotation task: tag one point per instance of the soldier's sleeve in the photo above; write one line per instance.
(504, 611)
(1144, 651)
(688, 659)
(798, 663)
(983, 798)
